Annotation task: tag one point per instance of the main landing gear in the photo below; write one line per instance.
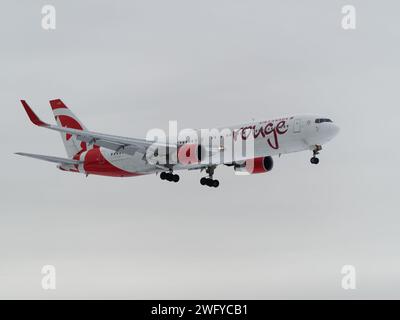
(316, 150)
(169, 176)
(209, 181)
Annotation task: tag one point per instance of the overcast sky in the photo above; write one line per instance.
(125, 67)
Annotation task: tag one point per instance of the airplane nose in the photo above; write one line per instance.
(328, 131)
(334, 129)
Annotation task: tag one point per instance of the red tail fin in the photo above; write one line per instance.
(65, 118)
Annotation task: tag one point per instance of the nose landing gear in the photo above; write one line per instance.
(209, 181)
(316, 150)
(169, 176)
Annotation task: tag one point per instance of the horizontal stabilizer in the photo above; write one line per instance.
(50, 159)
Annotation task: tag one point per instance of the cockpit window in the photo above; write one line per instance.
(320, 120)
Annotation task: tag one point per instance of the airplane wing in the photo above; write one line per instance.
(116, 143)
(50, 159)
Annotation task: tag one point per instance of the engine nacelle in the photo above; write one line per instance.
(256, 165)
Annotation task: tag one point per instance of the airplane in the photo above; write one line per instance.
(93, 153)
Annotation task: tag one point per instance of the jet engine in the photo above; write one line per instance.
(256, 165)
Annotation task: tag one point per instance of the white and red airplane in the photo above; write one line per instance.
(93, 153)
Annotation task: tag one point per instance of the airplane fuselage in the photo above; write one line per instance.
(270, 138)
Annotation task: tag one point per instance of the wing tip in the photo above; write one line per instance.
(32, 115)
(21, 153)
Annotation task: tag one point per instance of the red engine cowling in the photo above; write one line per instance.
(256, 165)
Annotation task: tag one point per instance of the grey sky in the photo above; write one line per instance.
(128, 66)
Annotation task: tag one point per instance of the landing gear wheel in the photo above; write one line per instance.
(169, 176)
(314, 160)
(210, 182)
